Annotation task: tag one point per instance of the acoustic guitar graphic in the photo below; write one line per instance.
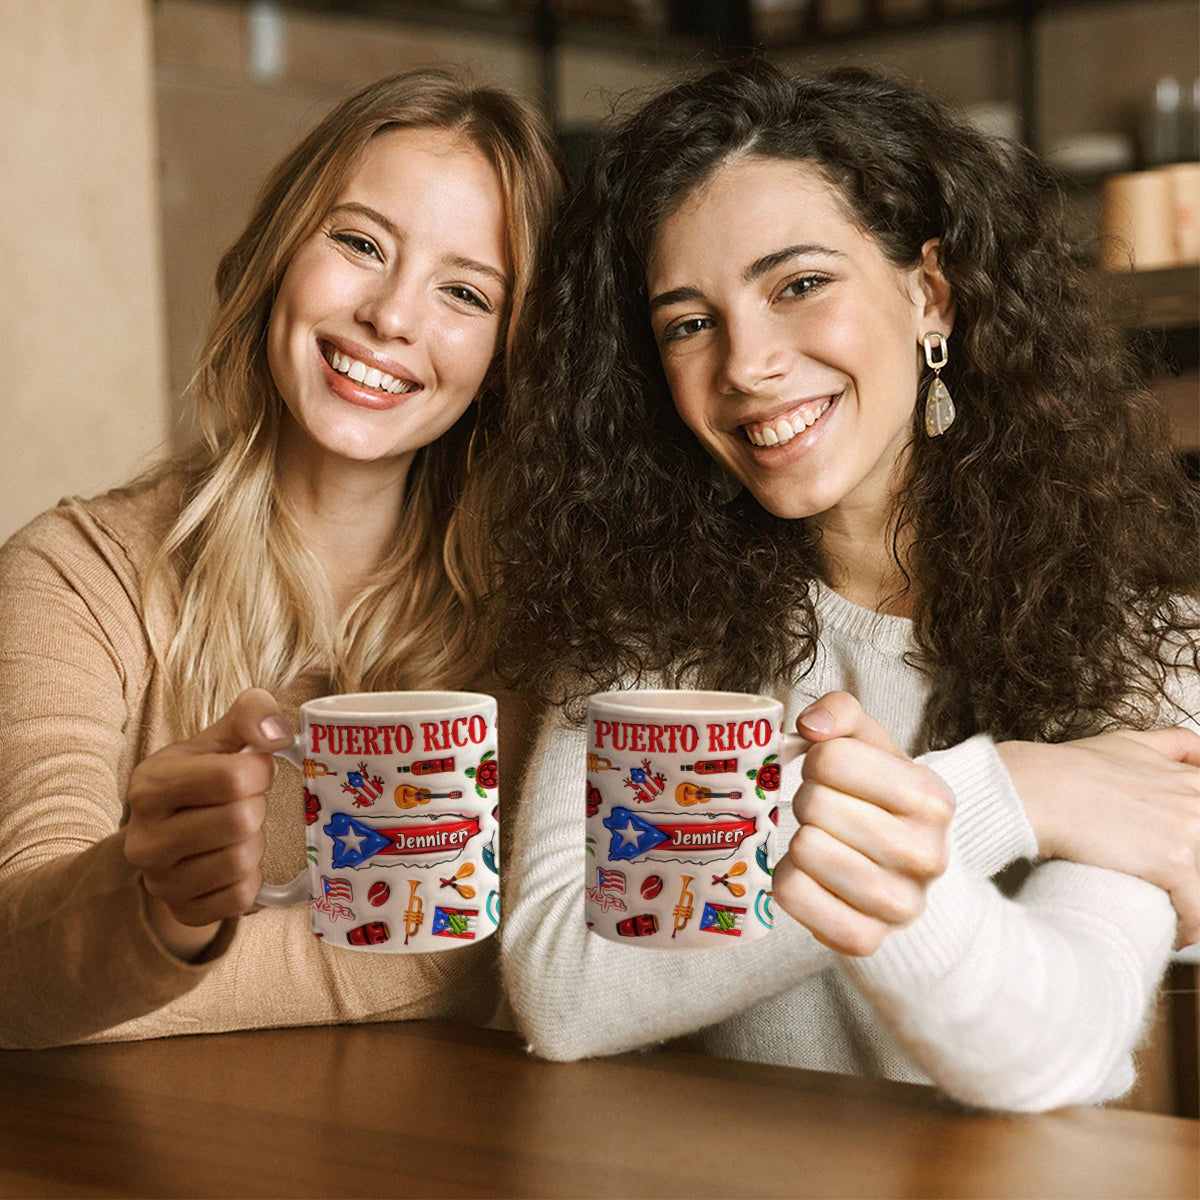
(408, 796)
(688, 793)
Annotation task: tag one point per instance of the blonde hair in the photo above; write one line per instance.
(254, 606)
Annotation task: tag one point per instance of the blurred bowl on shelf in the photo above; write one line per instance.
(1092, 156)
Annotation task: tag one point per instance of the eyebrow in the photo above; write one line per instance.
(762, 266)
(459, 261)
(756, 270)
(674, 296)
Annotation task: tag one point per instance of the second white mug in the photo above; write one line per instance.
(682, 807)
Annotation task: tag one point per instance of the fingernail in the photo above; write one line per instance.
(275, 729)
(818, 719)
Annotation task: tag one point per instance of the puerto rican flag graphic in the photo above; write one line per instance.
(423, 841)
(722, 918)
(610, 886)
(454, 922)
(338, 889)
(676, 837)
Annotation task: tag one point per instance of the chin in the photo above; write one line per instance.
(784, 506)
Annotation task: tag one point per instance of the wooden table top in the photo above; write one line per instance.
(425, 1109)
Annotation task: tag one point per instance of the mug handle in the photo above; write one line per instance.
(792, 746)
(284, 895)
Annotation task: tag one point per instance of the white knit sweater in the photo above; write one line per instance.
(1026, 1003)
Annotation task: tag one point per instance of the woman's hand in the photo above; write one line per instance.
(196, 812)
(1126, 800)
(874, 831)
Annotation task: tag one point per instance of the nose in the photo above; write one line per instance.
(754, 355)
(394, 308)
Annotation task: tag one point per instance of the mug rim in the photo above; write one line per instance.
(376, 706)
(682, 700)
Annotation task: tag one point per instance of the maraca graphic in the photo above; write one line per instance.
(465, 890)
(735, 889)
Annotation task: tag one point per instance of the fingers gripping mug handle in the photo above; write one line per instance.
(283, 895)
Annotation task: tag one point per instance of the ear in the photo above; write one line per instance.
(938, 315)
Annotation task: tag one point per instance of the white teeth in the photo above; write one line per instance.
(369, 376)
(781, 431)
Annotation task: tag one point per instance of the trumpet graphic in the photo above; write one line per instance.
(735, 889)
(683, 910)
(313, 769)
(596, 763)
(465, 890)
(414, 914)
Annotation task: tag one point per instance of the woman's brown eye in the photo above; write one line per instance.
(360, 245)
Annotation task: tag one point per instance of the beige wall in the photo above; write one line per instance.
(81, 305)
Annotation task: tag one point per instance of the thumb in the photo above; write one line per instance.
(839, 714)
(253, 721)
(1177, 742)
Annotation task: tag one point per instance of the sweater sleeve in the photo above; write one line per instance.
(575, 994)
(1025, 1004)
(1021, 1004)
(990, 829)
(79, 952)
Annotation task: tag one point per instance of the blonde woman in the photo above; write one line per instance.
(321, 537)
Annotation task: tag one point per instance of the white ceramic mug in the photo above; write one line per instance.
(682, 806)
(400, 793)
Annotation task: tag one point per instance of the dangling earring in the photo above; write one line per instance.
(939, 407)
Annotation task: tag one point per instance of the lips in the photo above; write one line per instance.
(778, 431)
(366, 375)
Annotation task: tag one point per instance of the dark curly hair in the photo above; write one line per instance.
(1053, 559)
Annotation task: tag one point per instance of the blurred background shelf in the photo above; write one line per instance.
(1161, 312)
(681, 32)
(1166, 299)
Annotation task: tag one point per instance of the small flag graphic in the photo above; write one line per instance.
(722, 918)
(338, 889)
(454, 922)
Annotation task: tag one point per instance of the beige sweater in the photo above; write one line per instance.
(81, 703)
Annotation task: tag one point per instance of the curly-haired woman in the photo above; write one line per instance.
(818, 405)
(319, 539)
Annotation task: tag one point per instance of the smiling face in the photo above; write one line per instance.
(789, 340)
(387, 317)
